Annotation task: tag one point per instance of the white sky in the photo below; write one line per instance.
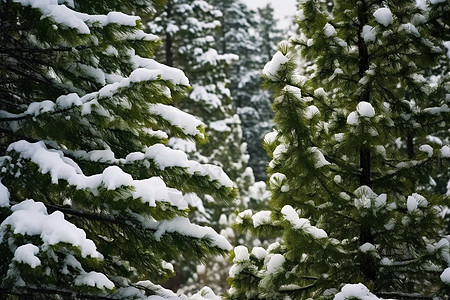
(284, 9)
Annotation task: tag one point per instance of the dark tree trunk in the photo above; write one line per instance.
(169, 41)
(367, 263)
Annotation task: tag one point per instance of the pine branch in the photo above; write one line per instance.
(31, 292)
(399, 295)
(42, 50)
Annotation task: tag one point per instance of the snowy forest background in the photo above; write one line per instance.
(192, 149)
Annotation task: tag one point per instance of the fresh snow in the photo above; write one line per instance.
(445, 276)
(27, 254)
(183, 226)
(188, 123)
(173, 75)
(270, 137)
(241, 254)
(445, 152)
(337, 179)
(329, 30)
(300, 14)
(275, 263)
(271, 68)
(383, 16)
(31, 218)
(414, 201)
(320, 160)
(358, 291)
(279, 151)
(261, 218)
(311, 111)
(301, 223)
(206, 94)
(259, 252)
(410, 29)
(242, 215)
(352, 118)
(59, 167)
(152, 71)
(367, 247)
(381, 200)
(277, 178)
(67, 17)
(4, 195)
(365, 109)
(427, 149)
(369, 33)
(94, 279)
(364, 196)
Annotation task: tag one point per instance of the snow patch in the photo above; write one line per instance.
(188, 123)
(94, 279)
(383, 16)
(445, 152)
(259, 252)
(241, 254)
(369, 33)
(358, 291)
(414, 201)
(445, 276)
(183, 226)
(27, 254)
(242, 215)
(67, 17)
(300, 223)
(261, 218)
(31, 218)
(427, 149)
(365, 109)
(320, 160)
(4, 195)
(367, 247)
(352, 118)
(311, 111)
(275, 263)
(270, 137)
(272, 67)
(329, 30)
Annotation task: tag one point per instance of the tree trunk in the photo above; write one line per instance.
(367, 263)
(169, 42)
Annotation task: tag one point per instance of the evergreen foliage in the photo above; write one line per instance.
(189, 29)
(352, 158)
(189, 40)
(92, 202)
(252, 36)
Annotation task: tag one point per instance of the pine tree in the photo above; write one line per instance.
(189, 29)
(93, 204)
(193, 47)
(351, 162)
(252, 36)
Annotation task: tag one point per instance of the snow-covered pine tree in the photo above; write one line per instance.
(241, 33)
(188, 29)
(351, 159)
(270, 34)
(92, 202)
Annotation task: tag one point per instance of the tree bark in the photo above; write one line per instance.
(367, 263)
(169, 41)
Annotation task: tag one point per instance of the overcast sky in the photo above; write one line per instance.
(284, 9)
